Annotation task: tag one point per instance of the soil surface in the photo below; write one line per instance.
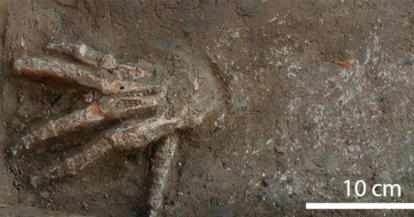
(315, 93)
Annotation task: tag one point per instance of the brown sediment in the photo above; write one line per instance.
(344, 64)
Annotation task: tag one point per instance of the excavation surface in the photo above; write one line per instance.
(314, 93)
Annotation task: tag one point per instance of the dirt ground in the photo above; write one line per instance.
(296, 122)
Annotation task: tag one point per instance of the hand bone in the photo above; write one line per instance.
(122, 96)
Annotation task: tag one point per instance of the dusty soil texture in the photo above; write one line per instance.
(316, 93)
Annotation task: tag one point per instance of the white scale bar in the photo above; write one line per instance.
(359, 205)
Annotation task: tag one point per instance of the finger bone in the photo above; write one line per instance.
(109, 62)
